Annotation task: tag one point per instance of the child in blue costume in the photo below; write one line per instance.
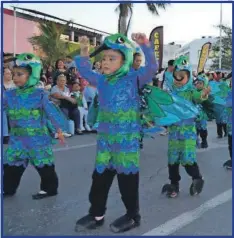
(28, 108)
(201, 122)
(119, 126)
(182, 135)
(228, 163)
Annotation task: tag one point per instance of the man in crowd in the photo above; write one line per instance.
(164, 81)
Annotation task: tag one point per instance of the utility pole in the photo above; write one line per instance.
(220, 36)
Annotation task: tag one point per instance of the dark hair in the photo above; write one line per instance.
(69, 57)
(76, 83)
(171, 62)
(27, 68)
(160, 70)
(136, 55)
(229, 76)
(56, 63)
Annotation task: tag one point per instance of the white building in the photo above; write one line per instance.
(192, 50)
(169, 52)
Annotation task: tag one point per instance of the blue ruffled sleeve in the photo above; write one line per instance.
(84, 67)
(146, 73)
(54, 114)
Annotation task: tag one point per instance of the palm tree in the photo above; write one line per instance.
(125, 8)
(49, 41)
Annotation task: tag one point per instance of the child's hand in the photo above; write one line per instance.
(61, 137)
(84, 45)
(140, 38)
(206, 92)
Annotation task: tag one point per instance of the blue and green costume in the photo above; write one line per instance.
(28, 109)
(118, 115)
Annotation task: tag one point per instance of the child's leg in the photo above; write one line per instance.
(219, 130)
(49, 182)
(228, 163)
(81, 110)
(172, 189)
(101, 183)
(12, 175)
(49, 178)
(86, 120)
(230, 145)
(189, 160)
(129, 190)
(224, 126)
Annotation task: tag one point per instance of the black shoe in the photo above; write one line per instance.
(88, 222)
(228, 164)
(171, 190)
(6, 140)
(225, 135)
(196, 186)
(204, 145)
(39, 196)
(219, 137)
(125, 223)
(7, 195)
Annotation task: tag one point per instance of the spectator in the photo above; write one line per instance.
(59, 69)
(49, 75)
(165, 81)
(82, 106)
(89, 94)
(69, 63)
(97, 66)
(7, 79)
(60, 95)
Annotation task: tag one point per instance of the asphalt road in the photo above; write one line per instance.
(210, 213)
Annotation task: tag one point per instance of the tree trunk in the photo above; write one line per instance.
(123, 25)
(123, 17)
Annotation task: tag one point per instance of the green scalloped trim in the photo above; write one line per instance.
(119, 117)
(122, 158)
(118, 138)
(23, 113)
(29, 131)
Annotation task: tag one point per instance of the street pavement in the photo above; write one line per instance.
(210, 213)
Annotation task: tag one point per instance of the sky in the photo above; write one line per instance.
(183, 22)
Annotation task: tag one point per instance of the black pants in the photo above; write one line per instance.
(230, 145)
(221, 128)
(129, 190)
(174, 173)
(12, 176)
(203, 134)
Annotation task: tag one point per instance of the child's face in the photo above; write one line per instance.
(137, 62)
(181, 78)
(20, 76)
(111, 62)
(97, 65)
(199, 85)
(76, 87)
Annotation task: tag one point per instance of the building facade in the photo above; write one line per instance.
(23, 24)
(169, 52)
(193, 49)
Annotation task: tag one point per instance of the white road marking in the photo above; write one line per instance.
(186, 218)
(74, 147)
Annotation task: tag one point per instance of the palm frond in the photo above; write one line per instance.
(154, 7)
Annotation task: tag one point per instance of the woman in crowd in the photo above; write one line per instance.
(60, 95)
(59, 68)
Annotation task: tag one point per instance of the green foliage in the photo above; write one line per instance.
(226, 49)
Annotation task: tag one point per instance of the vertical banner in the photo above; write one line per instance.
(204, 54)
(156, 37)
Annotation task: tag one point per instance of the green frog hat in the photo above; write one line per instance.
(182, 65)
(32, 61)
(120, 43)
